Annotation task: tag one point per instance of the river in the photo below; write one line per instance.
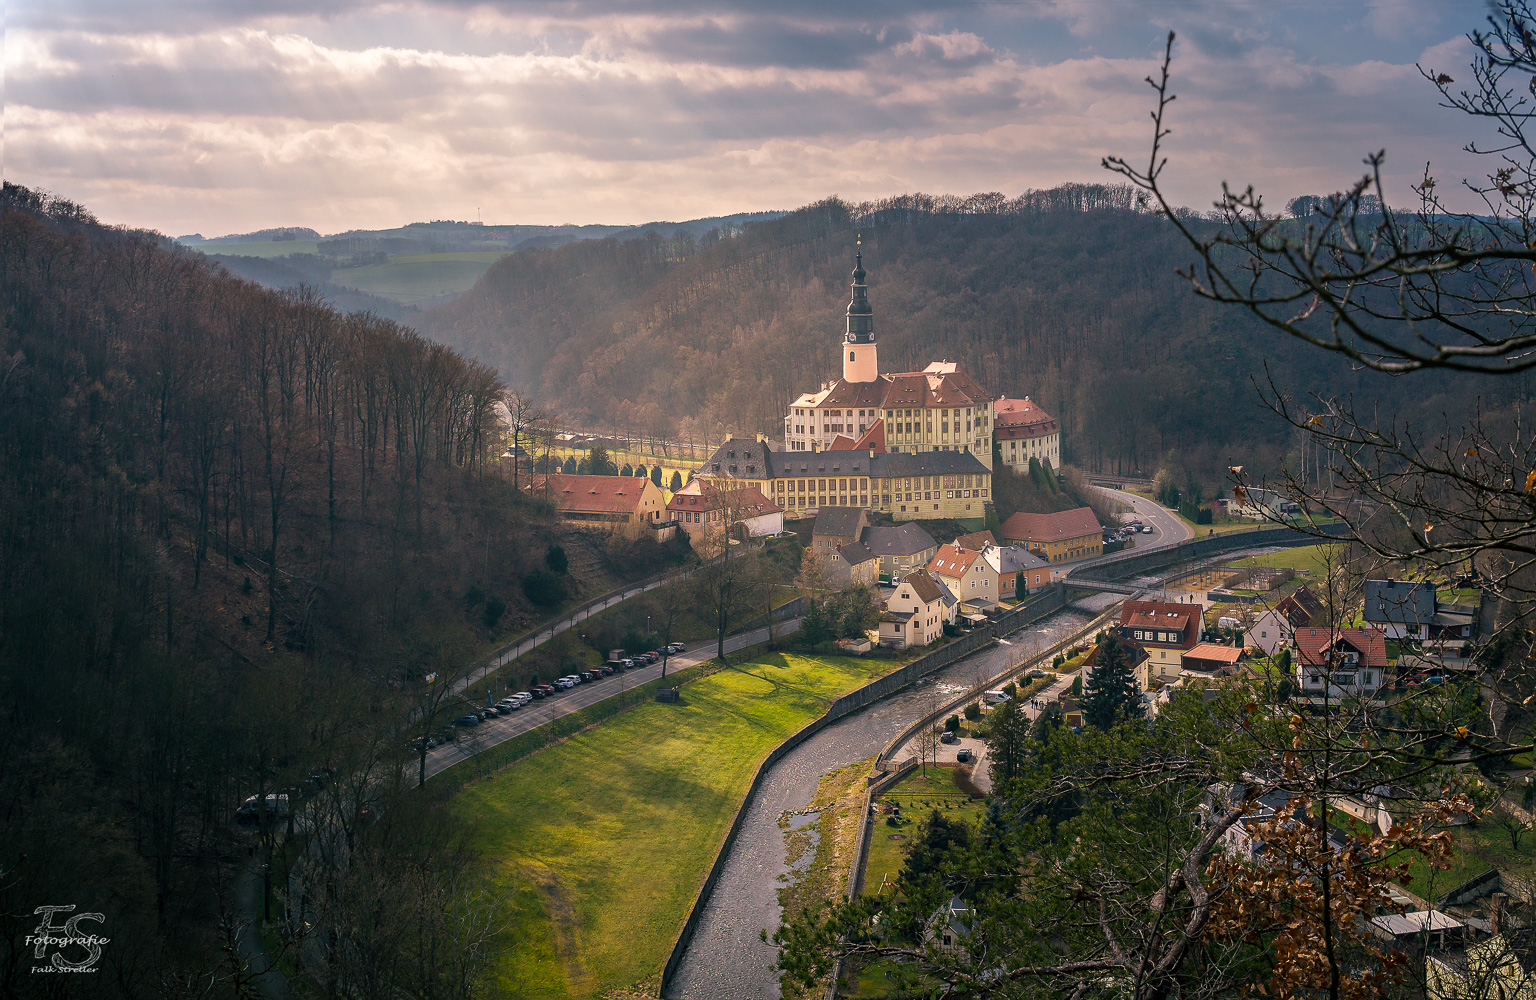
(727, 960)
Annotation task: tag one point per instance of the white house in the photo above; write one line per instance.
(916, 611)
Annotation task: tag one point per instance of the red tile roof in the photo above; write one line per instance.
(1056, 527)
(952, 561)
(872, 439)
(1017, 419)
(1370, 643)
(701, 494)
(920, 389)
(594, 494)
(1215, 653)
(976, 540)
(1164, 615)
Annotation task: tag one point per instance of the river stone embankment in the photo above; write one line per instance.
(727, 959)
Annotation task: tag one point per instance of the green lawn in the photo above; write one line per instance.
(1304, 557)
(599, 844)
(918, 794)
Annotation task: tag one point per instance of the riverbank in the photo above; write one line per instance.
(600, 849)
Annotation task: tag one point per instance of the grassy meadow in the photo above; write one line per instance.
(1310, 558)
(415, 278)
(599, 844)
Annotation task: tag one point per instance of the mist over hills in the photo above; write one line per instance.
(1069, 296)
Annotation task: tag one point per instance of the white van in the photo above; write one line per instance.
(996, 697)
(1228, 623)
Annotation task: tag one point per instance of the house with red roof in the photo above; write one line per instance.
(1059, 537)
(1167, 631)
(967, 575)
(602, 500)
(1338, 663)
(1024, 431)
(703, 507)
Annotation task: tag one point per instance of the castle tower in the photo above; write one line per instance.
(859, 363)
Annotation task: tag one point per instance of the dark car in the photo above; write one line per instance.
(537, 691)
(467, 720)
(606, 669)
(488, 712)
(948, 737)
(548, 689)
(962, 755)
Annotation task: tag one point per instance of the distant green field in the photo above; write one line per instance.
(599, 844)
(1311, 558)
(414, 278)
(264, 248)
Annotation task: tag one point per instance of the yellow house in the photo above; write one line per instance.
(1060, 537)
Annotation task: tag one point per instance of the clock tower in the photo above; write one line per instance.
(859, 363)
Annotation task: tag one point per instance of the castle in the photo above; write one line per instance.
(911, 444)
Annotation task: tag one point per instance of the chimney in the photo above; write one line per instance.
(871, 453)
(1496, 912)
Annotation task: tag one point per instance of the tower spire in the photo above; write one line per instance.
(859, 360)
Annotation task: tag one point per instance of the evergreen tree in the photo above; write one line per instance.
(570, 467)
(1049, 473)
(677, 482)
(583, 469)
(815, 628)
(1110, 695)
(555, 559)
(600, 463)
(1008, 743)
(628, 470)
(1036, 474)
(656, 475)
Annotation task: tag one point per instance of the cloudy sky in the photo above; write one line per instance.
(219, 116)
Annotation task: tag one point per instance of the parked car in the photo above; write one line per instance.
(675, 648)
(963, 755)
(486, 714)
(467, 720)
(948, 737)
(996, 697)
(491, 710)
(1036, 672)
(251, 810)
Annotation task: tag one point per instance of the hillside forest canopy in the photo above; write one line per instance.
(1068, 295)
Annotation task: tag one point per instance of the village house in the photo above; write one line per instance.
(900, 548)
(1025, 431)
(1340, 663)
(1274, 628)
(1134, 653)
(1211, 660)
(967, 575)
(836, 527)
(1019, 571)
(1057, 538)
(1413, 610)
(702, 509)
(601, 500)
(916, 611)
(1166, 630)
(853, 563)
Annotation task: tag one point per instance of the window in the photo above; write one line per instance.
(850, 355)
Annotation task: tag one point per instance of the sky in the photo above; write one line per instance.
(226, 116)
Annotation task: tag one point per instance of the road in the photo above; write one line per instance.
(501, 728)
(548, 631)
(1169, 528)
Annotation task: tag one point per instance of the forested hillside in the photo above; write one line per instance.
(237, 530)
(1067, 295)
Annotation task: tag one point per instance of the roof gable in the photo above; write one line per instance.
(1059, 526)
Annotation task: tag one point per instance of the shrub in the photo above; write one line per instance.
(1056, 663)
(554, 558)
(1203, 516)
(495, 607)
(570, 467)
(656, 475)
(973, 711)
(1077, 686)
(1011, 689)
(474, 595)
(677, 481)
(544, 588)
(952, 724)
(627, 470)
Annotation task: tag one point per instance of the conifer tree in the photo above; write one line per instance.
(1110, 695)
(1008, 742)
(677, 482)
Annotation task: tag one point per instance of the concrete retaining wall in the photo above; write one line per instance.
(1135, 563)
(1040, 606)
